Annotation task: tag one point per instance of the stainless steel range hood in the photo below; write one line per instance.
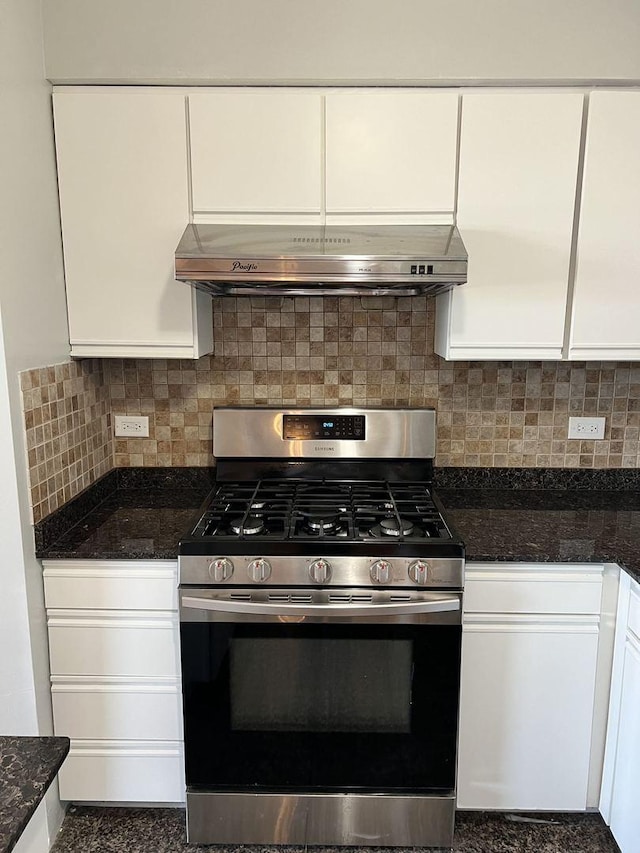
(329, 260)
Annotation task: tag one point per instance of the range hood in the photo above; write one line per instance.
(323, 260)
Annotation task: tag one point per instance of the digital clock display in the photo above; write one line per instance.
(313, 427)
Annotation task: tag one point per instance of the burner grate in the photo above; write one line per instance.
(322, 509)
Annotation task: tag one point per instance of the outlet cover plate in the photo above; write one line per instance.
(132, 426)
(586, 428)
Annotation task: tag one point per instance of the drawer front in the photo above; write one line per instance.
(527, 591)
(106, 585)
(110, 772)
(132, 646)
(112, 712)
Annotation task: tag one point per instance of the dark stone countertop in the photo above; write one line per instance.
(131, 514)
(28, 765)
(535, 525)
(520, 515)
(130, 525)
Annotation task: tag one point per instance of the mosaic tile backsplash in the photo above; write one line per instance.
(363, 352)
(68, 431)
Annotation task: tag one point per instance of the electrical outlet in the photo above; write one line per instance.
(586, 427)
(132, 426)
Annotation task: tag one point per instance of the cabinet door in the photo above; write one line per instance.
(606, 303)
(517, 184)
(624, 815)
(526, 710)
(122, 171)
(256, 153)
(391, 153)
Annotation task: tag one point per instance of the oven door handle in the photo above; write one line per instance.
(441, 604)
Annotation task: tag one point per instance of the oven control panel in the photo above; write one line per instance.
(298, 570)
(312, 427)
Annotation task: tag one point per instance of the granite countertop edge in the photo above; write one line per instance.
(29, 765)
(470, 557)
(483, 557)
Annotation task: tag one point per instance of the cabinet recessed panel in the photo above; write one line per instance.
(526, 712)
(391, 152)
(256, 152)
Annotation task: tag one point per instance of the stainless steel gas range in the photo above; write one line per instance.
(320, 620)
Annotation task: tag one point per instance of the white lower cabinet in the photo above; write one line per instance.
(619, 803)
(534, 691)
(115, 684)
(530, 657)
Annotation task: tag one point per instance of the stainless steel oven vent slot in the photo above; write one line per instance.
(287, 597)
(240, 596)
(346, 597)
(396, 597)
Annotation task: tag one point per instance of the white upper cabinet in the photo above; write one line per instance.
(256, 154)
(606, 307)
(391, 154)
(519, 156)
(124, 200)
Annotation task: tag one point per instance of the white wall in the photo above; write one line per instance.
(17, 694)
(341, 41)
(33, 333)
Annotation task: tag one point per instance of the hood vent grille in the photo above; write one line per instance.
(325, 241)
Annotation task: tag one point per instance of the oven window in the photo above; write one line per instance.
(320, 685)
(320, 707)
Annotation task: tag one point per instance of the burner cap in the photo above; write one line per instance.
(253, 525)
(393, 527)
(327, 523)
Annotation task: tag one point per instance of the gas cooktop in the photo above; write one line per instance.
(321, 510)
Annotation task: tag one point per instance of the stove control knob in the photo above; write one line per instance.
(320, 571)
(260, 570)
(419, 571)
(220, 569)
(381, 571)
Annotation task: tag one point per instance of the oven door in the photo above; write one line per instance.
(318, 691)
